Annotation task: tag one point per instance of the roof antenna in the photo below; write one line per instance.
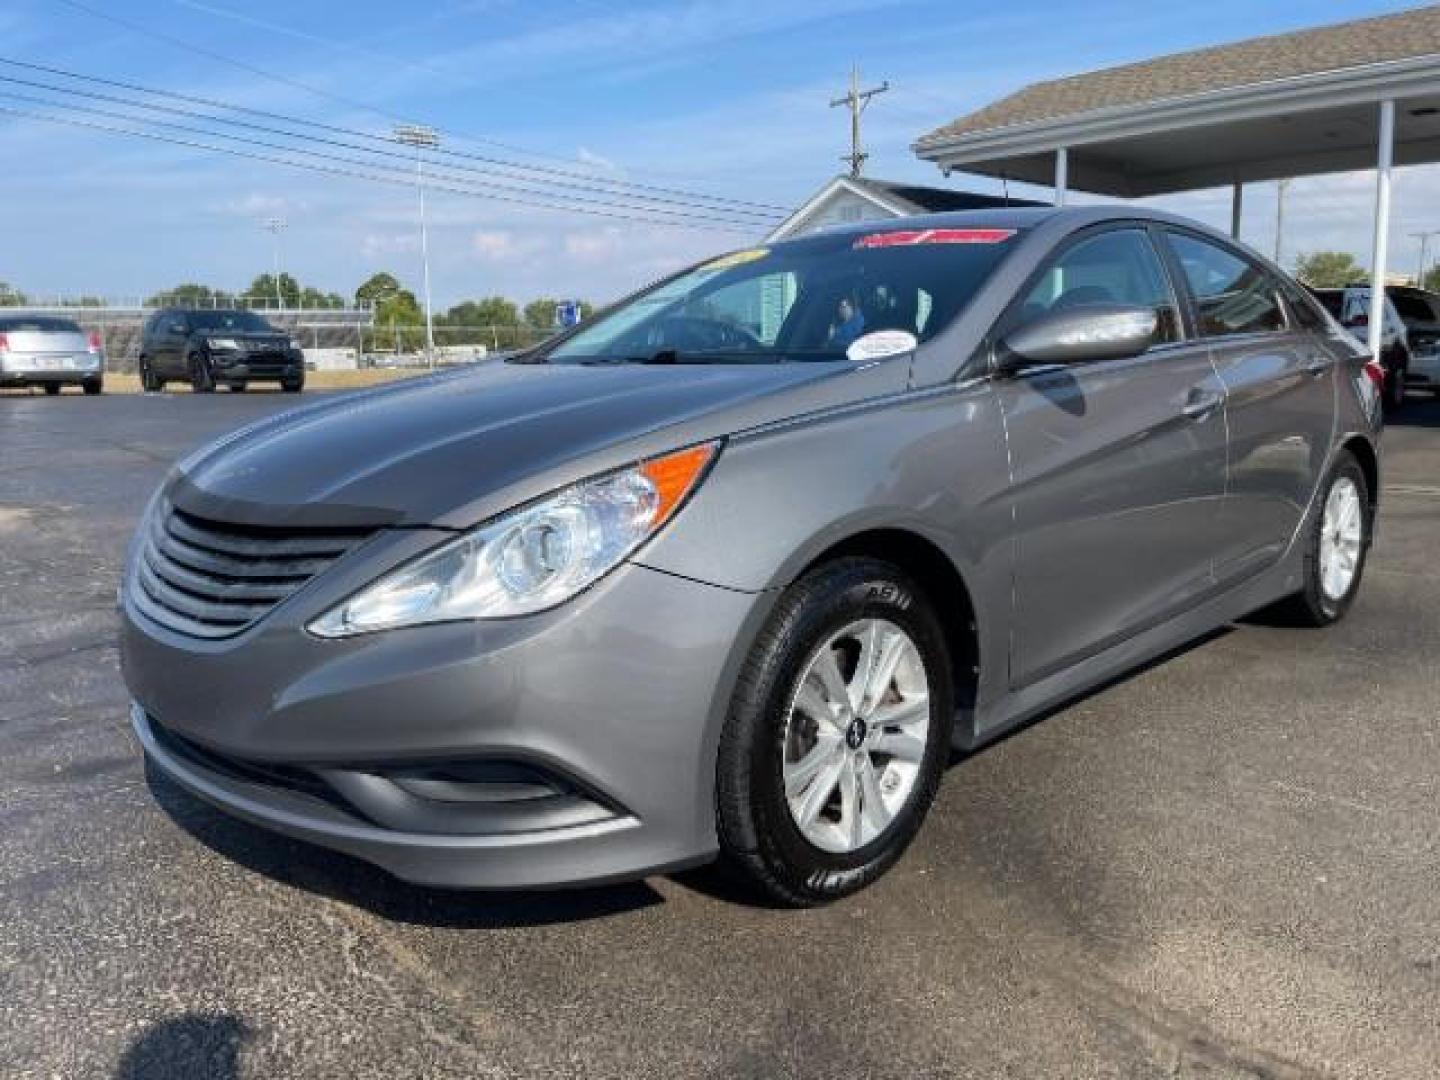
(1005, 186)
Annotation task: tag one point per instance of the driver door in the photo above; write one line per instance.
(1117, 466)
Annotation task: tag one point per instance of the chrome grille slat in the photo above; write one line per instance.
(213, 580)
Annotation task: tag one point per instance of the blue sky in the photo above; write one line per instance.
(727, 97)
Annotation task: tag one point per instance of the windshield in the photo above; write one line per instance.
(239, 321)
(808, 300)
(37, 324)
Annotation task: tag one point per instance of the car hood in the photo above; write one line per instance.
(453, 449)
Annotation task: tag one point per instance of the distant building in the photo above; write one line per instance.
(847, 199)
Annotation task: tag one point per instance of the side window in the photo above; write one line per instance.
(1303, 307)
(1115, 267)
(1232, 294)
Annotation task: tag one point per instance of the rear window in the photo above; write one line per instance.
(37, 324)
(1411, 308)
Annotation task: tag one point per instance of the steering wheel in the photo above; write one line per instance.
(701, 334)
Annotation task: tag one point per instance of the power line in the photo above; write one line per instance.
(386, 149)
(392, 180)
(353, 103)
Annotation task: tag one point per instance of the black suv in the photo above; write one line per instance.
(211, 348)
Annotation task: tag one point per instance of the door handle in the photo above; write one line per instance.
(1200, 404)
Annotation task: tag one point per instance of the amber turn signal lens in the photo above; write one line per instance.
(674, 475)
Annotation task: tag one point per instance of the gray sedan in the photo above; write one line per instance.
(732, 568)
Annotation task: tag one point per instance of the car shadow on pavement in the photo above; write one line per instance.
(185, 1047)
(349, 880)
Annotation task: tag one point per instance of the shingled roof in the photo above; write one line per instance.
(1401, 36)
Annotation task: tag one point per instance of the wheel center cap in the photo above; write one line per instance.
(855, 734)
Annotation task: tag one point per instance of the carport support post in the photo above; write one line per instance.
(1237, 199)
(1062, 175)
(1382, 226)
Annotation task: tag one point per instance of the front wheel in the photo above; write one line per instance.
(202, 379)
(293, 386)
(837, 736)
(93, 386)
(1336, 548)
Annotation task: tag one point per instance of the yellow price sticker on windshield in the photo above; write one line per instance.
(737, 258)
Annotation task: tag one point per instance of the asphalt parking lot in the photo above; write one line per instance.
(1227, 865)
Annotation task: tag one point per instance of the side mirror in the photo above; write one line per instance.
(1081, 335)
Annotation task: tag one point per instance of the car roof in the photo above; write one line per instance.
(1020, 218)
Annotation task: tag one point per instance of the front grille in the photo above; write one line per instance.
(210, 579)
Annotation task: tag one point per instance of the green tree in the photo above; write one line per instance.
(1329, 269)
(261, 292)
(10, 297)
(1432, 279)
(190, 294)
(377, 288)
(541, 313)
(490, 311)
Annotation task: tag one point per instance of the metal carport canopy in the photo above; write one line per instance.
(1357, 95)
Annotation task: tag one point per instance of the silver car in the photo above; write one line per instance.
(49, 352)
(732, 568)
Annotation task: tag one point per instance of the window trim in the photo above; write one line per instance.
(1005, 322)
(1192, 302)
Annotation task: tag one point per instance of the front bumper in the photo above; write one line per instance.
(620, 694)
(1424, 370)
(240, 365)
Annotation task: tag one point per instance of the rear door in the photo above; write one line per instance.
(168, 352)
(1117, 467)
(1279, 376)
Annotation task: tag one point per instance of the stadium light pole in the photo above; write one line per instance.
(275, 226)
(422, 138)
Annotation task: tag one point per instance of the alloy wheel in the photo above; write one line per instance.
(855, 735)
(1341, 535)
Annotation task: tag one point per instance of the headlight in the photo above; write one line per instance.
(532, 558)
(296, 346)
(222, 343)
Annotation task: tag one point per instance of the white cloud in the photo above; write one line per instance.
(505, 245)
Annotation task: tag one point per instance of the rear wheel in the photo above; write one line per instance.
(293, 386)
(1395, 387)
(149, 381)
(93, 386)
(837, 736)
(52, 389)
(238, 387)
(1337, 545)
(202, 379)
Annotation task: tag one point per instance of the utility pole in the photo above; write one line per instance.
(422, 139)
(856, 101)
(1424, 238)
(275, 226)
(1281, 186)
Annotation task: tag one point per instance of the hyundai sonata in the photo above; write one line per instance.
(730, 568)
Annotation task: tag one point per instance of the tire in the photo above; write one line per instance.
(149, 381)
(202, 379)
(92, 387)
(293, 386)
(1317, 603)
(761, 836)
(239, 387)
(52, 389)
(1395, 387)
